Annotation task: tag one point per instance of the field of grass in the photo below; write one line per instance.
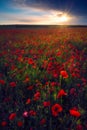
(43, 79)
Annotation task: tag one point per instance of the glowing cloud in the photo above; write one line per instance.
(28, 12)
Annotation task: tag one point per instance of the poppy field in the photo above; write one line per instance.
(43, 79)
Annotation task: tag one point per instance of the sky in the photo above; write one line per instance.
(43, 12)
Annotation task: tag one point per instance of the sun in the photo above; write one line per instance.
(64, 18)
(60, 18)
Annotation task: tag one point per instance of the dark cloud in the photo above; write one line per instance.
(76, 7)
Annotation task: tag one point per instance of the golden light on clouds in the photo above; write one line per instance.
(60, 18)
(42, 12)
(64, 18)
(37, 16)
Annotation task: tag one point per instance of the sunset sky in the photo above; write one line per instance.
(40, 12)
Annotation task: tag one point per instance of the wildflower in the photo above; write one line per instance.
(20, 59)
(2, 81)
(28, 101)
(27, 79)
(32, 113)
(12, 84)
(78, 85)
(74, 112)
(61, 93)
(34, 66)
(30, 61)
(13, 67)
(37, 96)
(42, 121)
(44, 65)
(73, 75)
(50, 66)
(12, 116)
(56, 109)
(53, 84)
(72, 91)
(25, 114)
(59, 53)
(64, 74)
(55, 75)
(30, 88)
(20, 123)
(79, 127)
(46, 103)
(3, 123)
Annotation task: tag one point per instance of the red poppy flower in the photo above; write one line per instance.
(30, 88)
(12, 84)
(25, 114)
(75, 113)
(42, 121)
(79, 127)
(37, 96)
(27, 79)
(32, 113)
(12, 116)
(44, 65)
(46, 103)
(78, 85)
(30, 61)
(53, 84)
(3, 123)
(28, 101)
(56, 109)
(59, 53)
(61, 93)
(2, 81)
(20, 123)
(20, 59)
(50, 66)
(64, 74)
(73, 91)
(55, 75)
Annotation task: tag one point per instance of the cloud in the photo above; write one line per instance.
(75, 7)
(41, 12)
(32, 15)
(39, 4)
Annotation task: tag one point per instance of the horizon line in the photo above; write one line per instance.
(43, 25)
